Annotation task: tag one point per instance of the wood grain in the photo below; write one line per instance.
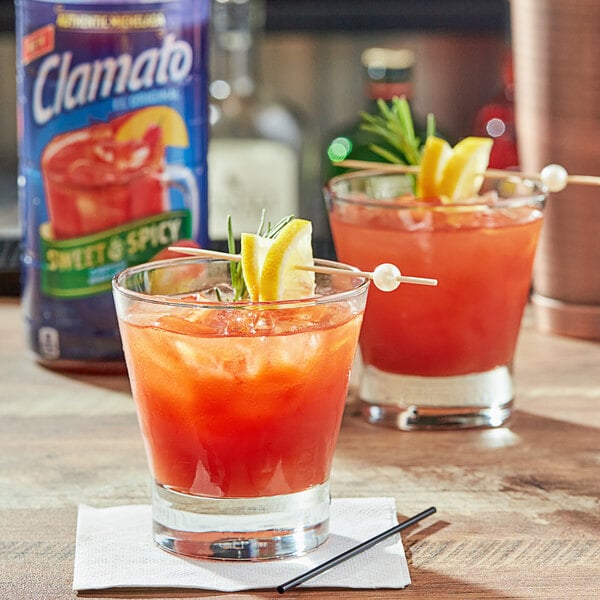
(518, 507)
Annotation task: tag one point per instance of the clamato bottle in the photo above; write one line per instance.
(112, 116)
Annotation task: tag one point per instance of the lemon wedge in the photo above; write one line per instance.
(173, 126)
(463, 173)
(270, 266)
(254, 249)
(280, 279)
(436, 153)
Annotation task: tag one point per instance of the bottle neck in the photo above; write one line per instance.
(237, 30)
(388, 73)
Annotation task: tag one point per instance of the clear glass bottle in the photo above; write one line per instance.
(389, 74)
(263, 152)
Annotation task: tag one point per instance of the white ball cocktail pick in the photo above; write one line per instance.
(386, 277)
(553, 177)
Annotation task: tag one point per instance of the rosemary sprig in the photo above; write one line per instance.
(265, 229)
(431, 127)
(272, 231)
(235, 267)
(394, 124)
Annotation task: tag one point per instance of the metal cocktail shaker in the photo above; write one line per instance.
(557, 95)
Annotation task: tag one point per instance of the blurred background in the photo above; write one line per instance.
(311, 55)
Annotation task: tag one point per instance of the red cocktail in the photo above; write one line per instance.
(443, 357)
(239, 405)
(94, 181)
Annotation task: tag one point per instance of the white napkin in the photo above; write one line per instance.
(115, 548)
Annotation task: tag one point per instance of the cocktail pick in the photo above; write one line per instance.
(336, 560)
(553, 177)
(386, 277)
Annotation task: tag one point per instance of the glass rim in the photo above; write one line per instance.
(536, 197)
(164, 300)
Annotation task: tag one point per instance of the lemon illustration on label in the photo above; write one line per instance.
(174, 130)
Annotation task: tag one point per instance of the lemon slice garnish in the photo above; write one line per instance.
(254, 249)
(280, 278)
(270, 265)
(174, 130)
(464, 170)
(436, 153)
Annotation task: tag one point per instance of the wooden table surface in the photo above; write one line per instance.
(518, 507)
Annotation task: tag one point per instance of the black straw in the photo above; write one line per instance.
(340, 558)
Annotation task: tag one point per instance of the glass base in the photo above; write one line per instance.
(241, 528)
(411, 402)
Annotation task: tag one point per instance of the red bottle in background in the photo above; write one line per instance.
(497, 120)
